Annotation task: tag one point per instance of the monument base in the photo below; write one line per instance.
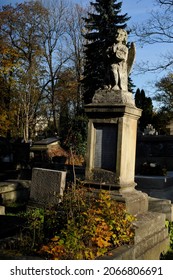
(110, 161)
(113, 96)
(136, 202)
(109, 178)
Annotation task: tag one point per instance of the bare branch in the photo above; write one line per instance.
(158, 29)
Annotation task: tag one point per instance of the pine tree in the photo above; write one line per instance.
(131, 85)
(101, 28)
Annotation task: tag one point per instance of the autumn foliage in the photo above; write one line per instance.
(40, 66)
(94, 225)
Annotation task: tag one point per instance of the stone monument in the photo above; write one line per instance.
(112, 129)
(111, 150)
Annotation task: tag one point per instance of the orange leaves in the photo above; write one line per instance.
(54, 249)
(94, 226)
(102, 236)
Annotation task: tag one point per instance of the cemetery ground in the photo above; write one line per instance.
(79, 226)
(82, 225)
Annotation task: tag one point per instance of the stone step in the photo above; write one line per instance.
(161, 206)
(147, 224)
(151, 235)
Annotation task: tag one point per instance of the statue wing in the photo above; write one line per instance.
(131, 57)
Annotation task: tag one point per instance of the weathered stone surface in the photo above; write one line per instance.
(2, 210)
(104, 176)
(124, 119)
(47, 185)
(136, 202)
(119, 60)
(151, 236)
(147, 224)
(161, 206)
(113, 97)
(14, 191)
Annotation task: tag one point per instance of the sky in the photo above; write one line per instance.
(139, 11)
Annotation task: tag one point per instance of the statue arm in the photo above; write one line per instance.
(131, 57)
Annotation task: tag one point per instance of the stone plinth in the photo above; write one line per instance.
(111, 150)
(112, 143)
(113, 97)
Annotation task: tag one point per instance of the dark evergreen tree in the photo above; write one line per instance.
(144, 103)
(131, 85)
(101, 27)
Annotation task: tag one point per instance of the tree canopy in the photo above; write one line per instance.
(40, 47)
(164, 94)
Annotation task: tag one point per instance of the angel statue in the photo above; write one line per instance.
(120, 60)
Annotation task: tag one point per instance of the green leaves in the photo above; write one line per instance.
(94, 226)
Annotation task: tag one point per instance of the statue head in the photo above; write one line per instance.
(121, 35)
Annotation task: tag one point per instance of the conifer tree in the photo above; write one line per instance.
(144, 103)
(101, 26)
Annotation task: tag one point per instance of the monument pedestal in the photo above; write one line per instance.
(111, 150)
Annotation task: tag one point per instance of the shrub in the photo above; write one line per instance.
(31, 233)
(169, 255)
(93, 225)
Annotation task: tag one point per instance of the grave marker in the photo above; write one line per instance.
(47, 186)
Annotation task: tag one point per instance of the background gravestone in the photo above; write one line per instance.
(47, 186)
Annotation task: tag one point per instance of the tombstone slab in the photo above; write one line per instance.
(47, 186)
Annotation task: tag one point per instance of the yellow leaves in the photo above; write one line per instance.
(89, 255)
(102, 235)
(101, 225)
(4, 122)
(9, 57)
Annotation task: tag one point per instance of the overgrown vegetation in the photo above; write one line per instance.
(93, 226)
(85, 225)
(169, 254)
